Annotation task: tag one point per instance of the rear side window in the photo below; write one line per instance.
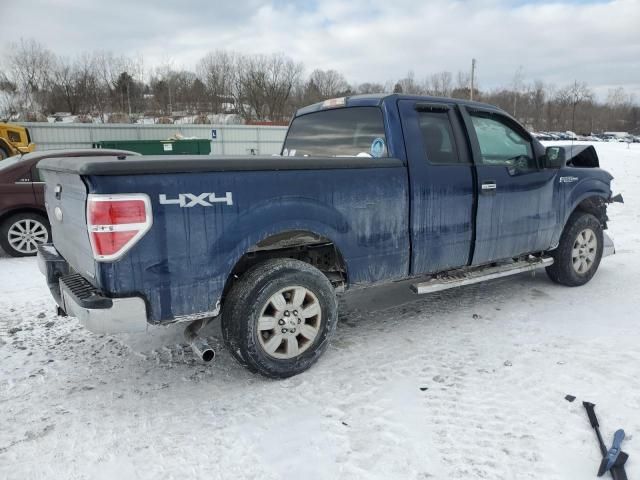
(438, 139)
(348, 132)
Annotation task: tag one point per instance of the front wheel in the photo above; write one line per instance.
(578, 255)
(279, 317)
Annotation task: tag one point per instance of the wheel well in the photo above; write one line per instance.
(596, 206)
(16, 211)
(302, 245)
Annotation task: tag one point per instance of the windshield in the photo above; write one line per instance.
(10, 162)
(343, 132)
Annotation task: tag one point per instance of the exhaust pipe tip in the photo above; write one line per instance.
(208, 355)
(198, 344)
(202, 349)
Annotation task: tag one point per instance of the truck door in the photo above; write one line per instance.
(441, 184)
(516, 198)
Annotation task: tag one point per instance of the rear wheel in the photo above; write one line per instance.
(21, 234)
(279, 317)
(579, 252)
(3, 154)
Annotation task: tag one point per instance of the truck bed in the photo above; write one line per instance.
(182, 263)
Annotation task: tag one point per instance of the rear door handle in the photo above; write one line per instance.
(489, 187)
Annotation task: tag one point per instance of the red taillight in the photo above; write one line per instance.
(116, 223)
(116, 213)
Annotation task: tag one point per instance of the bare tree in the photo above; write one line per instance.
(217, 70)
(516, 88)
(9, 99)
(441, 84)
(578, 93)
(367, 87)
(463, 85)
(325, 84)
(29, 65)
(538, 96)
(408, 85)
(282, 74)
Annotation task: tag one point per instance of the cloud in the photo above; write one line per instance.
(367, 40)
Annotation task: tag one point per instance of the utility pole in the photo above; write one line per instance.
(473, 74)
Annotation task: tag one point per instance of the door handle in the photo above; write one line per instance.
(489, 187)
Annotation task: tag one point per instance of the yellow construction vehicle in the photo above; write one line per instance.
(14, 139)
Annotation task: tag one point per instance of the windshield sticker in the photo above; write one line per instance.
(377, 147)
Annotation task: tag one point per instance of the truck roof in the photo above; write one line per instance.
(377, 99)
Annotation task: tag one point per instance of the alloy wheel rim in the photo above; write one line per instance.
(25, 235)
(583, 253)
(289, 322)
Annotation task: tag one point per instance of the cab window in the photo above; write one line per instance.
(500, 144)
(341, 132)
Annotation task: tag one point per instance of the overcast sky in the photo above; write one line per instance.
(367, 40)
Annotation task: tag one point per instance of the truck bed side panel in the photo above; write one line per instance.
(183, 262)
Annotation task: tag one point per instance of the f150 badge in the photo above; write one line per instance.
(568, 179)
(188, 200)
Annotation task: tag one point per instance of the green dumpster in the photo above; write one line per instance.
(160, 147)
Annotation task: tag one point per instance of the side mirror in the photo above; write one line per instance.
(554, 157)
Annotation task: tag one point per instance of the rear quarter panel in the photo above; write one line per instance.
(183, 262)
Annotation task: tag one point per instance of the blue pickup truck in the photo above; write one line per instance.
(367, 189)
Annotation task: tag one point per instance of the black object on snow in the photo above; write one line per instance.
(614, 453)
(619, 459)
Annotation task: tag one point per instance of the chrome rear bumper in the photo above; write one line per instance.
(79, 298)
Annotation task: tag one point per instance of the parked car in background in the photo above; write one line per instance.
(23, 218)
(542, 136)
(14, 140)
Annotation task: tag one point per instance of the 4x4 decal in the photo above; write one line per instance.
(188, 200)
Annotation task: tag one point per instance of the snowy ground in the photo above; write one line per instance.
(461, 385)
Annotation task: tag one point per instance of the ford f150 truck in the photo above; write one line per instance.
(368, 189)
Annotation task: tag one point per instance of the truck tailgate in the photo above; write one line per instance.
(65, 199)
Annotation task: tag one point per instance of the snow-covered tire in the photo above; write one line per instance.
(30, 227)
(579, 252)
(260, 299)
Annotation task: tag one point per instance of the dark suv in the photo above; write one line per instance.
(23, 218)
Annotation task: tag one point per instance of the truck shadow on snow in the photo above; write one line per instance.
(369, 320)
(372, 316)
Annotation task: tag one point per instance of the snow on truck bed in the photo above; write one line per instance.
(468, 383)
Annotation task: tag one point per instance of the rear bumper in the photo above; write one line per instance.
(78, 298)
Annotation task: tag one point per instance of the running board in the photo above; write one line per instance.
(482, 274)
